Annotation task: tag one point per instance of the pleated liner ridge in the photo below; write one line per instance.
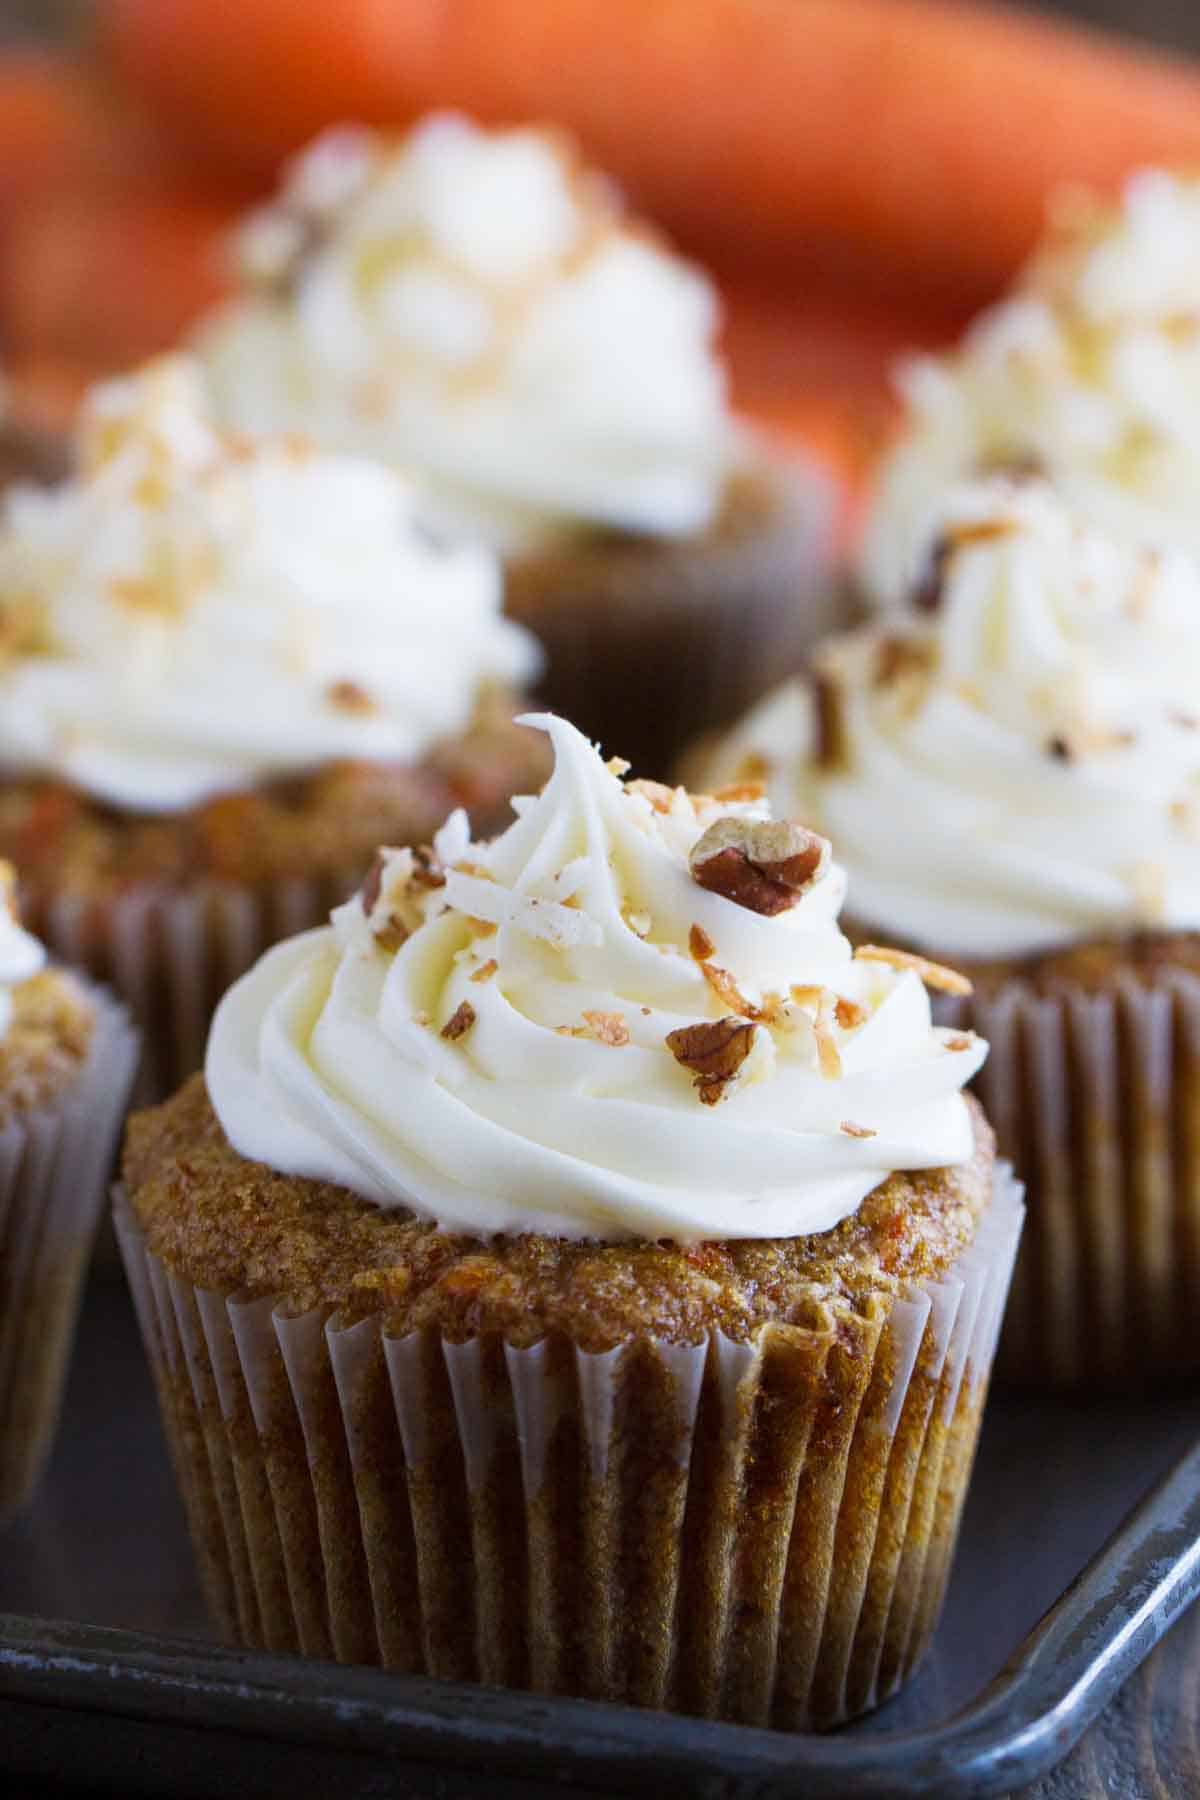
(1096, 1099)
(171, 955)
(758, 1532)
(55, 1165)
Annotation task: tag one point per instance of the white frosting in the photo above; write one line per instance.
(1090, 370)
(1037, 781)
(21, 955)
(193, 612)
(471, 304)
(328, 1059)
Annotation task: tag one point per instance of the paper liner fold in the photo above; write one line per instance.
(54, 1168)
(171, 955)
(649, 642)
(758, 1531)
(1095, 1096)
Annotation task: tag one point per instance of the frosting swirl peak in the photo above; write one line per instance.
(1087, 372)
(566, 1031)
(1016, 762)
(196, 611)
(474, 305)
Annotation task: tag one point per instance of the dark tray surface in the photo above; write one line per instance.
(105, 1543)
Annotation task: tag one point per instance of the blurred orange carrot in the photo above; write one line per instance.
(105, 278)
(913, 138)
(61, 126)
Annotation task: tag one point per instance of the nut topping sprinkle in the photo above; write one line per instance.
(714, 1051)
(933, 974)
(349, 696)
(856, 1131)
(459, 1022)
(608, 1027)
(829, 723)
(765, 866)
(700, 944)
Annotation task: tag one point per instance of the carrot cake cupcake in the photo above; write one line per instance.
(1088, 372)
(1010, 766)
(228, 668)
(476, 306)
(579, 1270)
(66, 1061)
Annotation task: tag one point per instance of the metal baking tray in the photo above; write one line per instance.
(110, 1681)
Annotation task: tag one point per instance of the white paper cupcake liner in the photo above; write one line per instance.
(54, 1169)
(170, 955)
(1096, 1099)
(649, 643)
(755, 1531)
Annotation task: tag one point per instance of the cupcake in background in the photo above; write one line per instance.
(29, 449)
(1010, 766)
(476, 307)
(67, 1055)
(1088, 373)
(585, 1265)
(230, 666)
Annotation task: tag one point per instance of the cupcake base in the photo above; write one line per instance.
(752, 1531)
(649, 643)
(54, 1163)
(169, 911)
(1093, 1086)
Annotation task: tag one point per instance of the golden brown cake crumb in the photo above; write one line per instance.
(320, 823)
(238, 1227)
(46, 1042)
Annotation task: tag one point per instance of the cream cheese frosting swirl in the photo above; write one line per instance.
(475, 306)
(194, 612)
(1089, 372)
(21, 954)
(483, 1035)
(1015, 760)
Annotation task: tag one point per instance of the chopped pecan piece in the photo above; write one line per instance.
(609, 1028)
(901, 659)
(927, 594)
(661, 797)
(348, 696)
(764, 866)
(829, 724)
(829, 1057)
(856, 1131)
(427, 871)
(806, 995)
(727, 991)
(933, 974)
(959, 1042)
(459, 1022)
(700, 944)
(848, 1013)
(486, 970)
(372, 887)
(735, 793)
(714, 1051)
(983, 531)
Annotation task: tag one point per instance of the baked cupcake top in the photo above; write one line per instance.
(196, 611)
(46, 1017)
(631, 1016)
(1088, 372)
(475, 304)
(1011, 761)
